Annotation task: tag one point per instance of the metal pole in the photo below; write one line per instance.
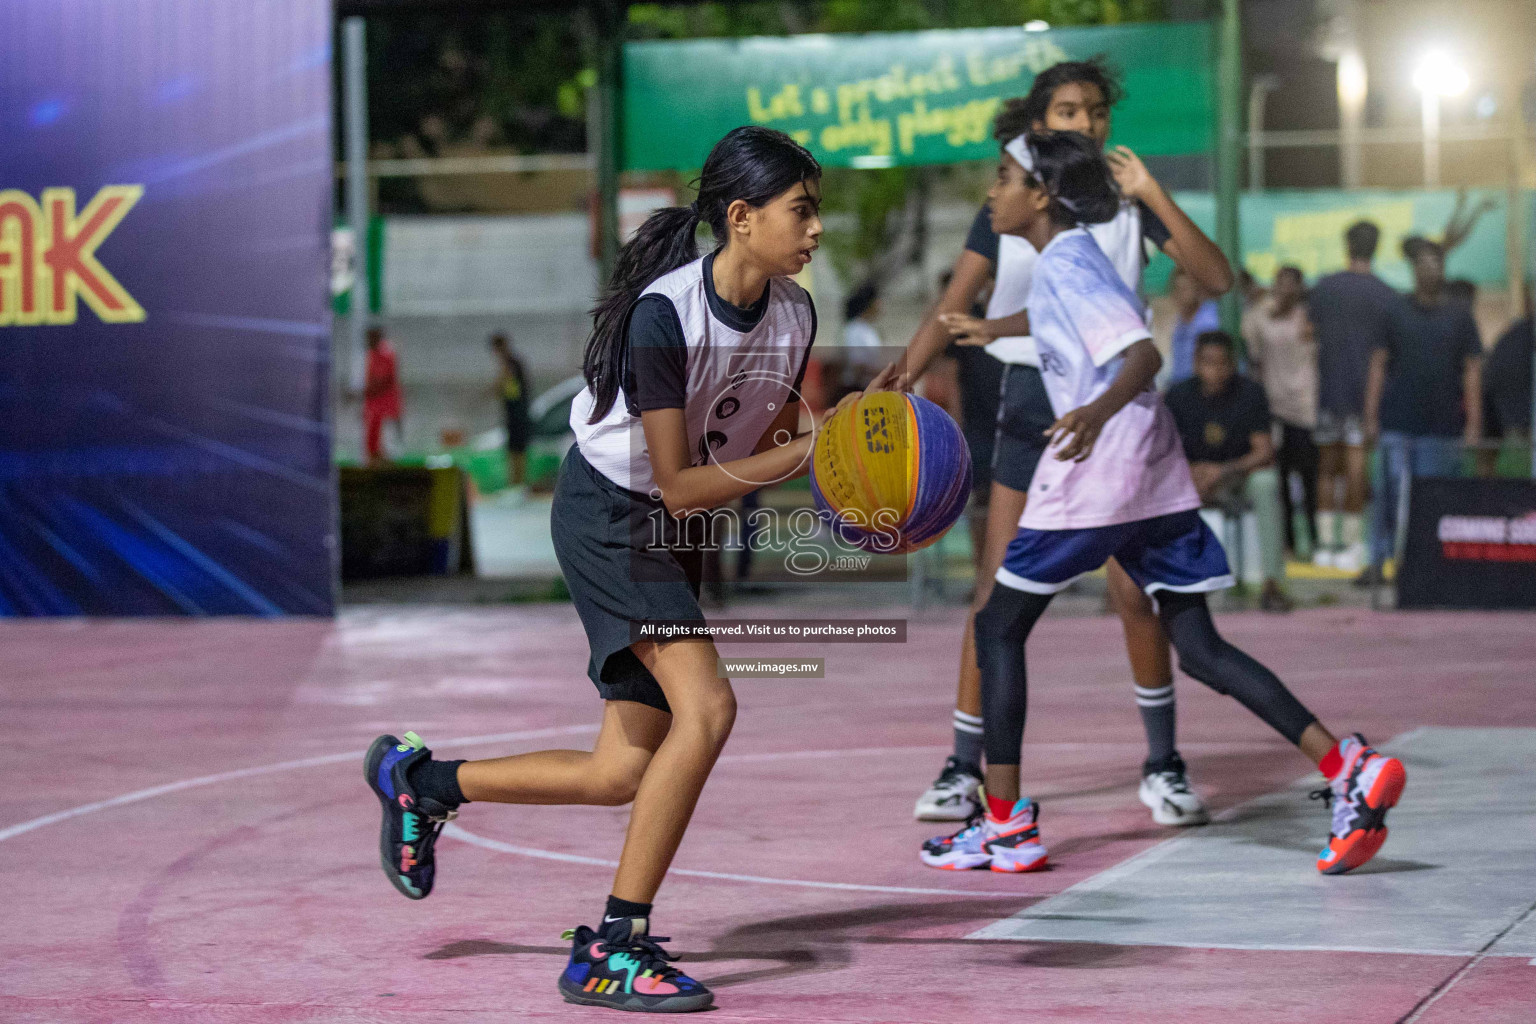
(1351, 85)
(355, 133)
(1430, 116)
(1229, 141)
(612, 16)
(1258, 94)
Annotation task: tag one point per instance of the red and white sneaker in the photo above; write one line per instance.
(1009, 845)
(1366, 787)
(1015, 842)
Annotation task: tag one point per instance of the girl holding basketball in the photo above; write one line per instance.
(692, 370)
(1071, 96)
(1115, 484)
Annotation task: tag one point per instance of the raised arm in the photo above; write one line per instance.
(1187, 245)
(971, 273)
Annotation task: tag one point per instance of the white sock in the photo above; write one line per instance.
(1353, 530)
(1327, 530)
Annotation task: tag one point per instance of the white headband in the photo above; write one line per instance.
(1019, 150)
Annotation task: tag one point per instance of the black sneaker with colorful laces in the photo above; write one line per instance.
(622, 967)
(411, 822)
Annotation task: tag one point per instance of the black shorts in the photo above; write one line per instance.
(603, 538)
(1023, 416)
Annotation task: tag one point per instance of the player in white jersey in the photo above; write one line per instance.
(1115, 484)
(692, 370)
(1071, 96)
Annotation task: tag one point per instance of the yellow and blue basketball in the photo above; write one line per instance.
(890, 472)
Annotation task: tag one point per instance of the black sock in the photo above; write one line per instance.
(967, 739)
(438, 780)
(621, 910)
(1158, 718)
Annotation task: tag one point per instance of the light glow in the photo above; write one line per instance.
(1438, 74)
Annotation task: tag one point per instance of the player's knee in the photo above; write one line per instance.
(710, 716)
(615, 790)
(1200, 659)
(994, 621)
(983, 594)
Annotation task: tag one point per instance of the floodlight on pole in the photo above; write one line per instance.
(1437, 75)
(1352, 84)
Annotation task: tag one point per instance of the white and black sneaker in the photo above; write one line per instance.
(1165, 789)
(952, 797)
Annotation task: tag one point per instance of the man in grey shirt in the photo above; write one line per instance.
(1349, 311)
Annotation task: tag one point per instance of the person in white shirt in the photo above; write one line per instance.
(1115, 484)
(1070, 96)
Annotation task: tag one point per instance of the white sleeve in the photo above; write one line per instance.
(1105, 316)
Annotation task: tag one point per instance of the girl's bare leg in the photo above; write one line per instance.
(703, 711)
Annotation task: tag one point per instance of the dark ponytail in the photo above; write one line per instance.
(753, 164)
(1072, 170)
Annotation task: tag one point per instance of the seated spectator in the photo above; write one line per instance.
(1282, 355)
(1195, 313)
(1223, 420)
(1423, 398)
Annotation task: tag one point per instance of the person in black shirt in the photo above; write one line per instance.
(1424, 394)
(1223, 420)
(1507, 382)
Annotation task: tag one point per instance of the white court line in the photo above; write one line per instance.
(456, 832)
(244, 773)
(492, 844)
(21, 828)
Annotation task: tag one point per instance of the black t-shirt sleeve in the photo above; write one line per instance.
(658, 356)
(981, 239)
(1152, 227)
(805, 357)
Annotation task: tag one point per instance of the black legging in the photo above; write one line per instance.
(1297, 452)
(1004, 624)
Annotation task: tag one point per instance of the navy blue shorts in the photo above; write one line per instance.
(1174, 552)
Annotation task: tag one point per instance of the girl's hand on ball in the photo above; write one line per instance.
(846, 400)
(1079, 429)
(889, 379)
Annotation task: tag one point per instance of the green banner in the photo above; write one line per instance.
(1306, 227)
(883, 99)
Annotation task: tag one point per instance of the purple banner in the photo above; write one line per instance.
(165, 213)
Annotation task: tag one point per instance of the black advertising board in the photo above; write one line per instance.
(1470, 544)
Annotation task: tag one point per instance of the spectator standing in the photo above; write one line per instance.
(382, 402)
(1424, 395)
(1282, 355)
(1349, 312)
(1224, 423)
(1196, 313)
(512, 385)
